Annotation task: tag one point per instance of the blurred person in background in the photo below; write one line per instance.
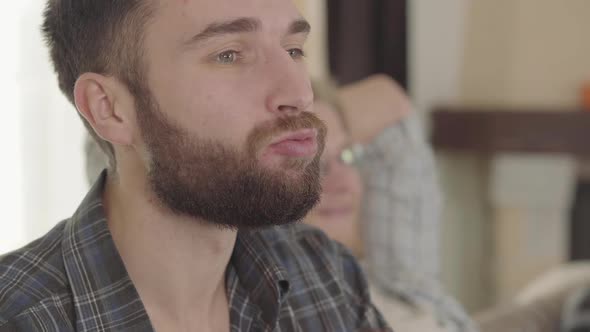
(380, 198)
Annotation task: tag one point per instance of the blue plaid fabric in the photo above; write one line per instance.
(402, 228)
(289, 278)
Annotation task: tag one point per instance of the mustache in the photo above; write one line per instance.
(262, 134)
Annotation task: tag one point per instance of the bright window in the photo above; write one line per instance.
(41, 164)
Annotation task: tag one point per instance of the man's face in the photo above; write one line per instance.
(225, 112)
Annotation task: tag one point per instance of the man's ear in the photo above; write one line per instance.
(97, 99)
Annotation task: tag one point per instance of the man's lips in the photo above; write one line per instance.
(302, 143)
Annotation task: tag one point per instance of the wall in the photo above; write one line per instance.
(532, 54)
(436, 43)
(526, 52)
(316, 48)
(11, 175)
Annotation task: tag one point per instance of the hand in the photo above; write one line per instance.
(372, 105)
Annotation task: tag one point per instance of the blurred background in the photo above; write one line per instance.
(498, 83)
(41, 137)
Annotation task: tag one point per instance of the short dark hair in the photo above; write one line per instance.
(99, 36)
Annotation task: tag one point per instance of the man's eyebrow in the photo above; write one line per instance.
(299, 26)
(240, 25)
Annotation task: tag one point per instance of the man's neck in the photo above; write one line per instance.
(176, 263)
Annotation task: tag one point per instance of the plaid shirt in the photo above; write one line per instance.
(289, 278)
(402, 226)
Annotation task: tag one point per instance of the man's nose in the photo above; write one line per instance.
(290, 90)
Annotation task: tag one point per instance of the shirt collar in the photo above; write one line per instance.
(102, 290)
(264, 279)
(103, 293)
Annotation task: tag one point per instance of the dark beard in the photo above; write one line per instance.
(218, 184)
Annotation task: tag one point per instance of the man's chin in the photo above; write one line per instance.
(280, 163)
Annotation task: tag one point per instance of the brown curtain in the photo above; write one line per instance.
(367, 37)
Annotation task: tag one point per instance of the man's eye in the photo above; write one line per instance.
(296, 53)
(227, 57)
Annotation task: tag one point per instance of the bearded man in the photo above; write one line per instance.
(204, 109)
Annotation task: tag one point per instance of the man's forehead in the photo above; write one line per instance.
(272, 14)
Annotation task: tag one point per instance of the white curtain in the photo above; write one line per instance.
(41, 166)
